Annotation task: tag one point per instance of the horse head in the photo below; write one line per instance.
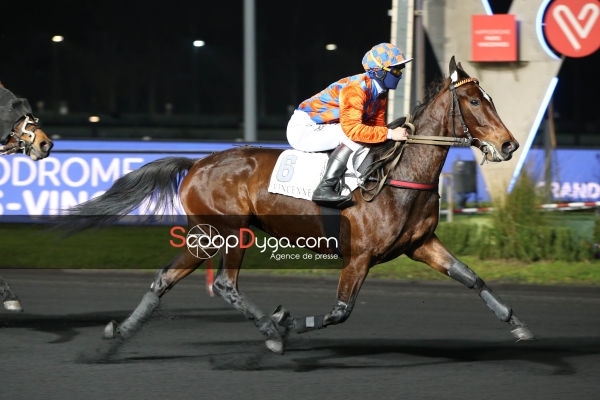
(477, 115)
(20, 131)
(28, 138)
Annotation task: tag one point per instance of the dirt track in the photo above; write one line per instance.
(408, 341)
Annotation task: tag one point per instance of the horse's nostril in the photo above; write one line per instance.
(509, 147)
(46, 145)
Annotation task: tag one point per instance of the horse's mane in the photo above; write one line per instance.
(432, 91)
(381, 150)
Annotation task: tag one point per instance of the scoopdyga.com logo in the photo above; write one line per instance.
(204, 241)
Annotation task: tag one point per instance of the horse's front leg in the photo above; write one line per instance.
(351, 279)
(9, 298)
(435, 254)
(225, 286)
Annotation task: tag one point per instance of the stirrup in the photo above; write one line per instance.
(339, 202)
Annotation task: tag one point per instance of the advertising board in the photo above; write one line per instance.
(79, 170)
(494, 38)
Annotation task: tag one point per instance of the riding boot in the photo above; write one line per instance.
(328, 193)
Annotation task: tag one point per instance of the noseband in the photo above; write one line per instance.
(20, 145)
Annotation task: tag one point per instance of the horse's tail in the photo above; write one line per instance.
(156, 183)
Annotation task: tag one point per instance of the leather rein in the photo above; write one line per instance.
(395, 153)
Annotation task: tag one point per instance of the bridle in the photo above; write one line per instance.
(19, 144)
(454, 111)
(395, 153)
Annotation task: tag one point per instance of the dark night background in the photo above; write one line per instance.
(128, 58)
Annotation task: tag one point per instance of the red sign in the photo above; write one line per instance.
(572, 27)
(493, 37)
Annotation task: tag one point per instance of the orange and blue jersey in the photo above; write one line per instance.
(353, 102)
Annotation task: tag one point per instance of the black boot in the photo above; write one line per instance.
(328, 193)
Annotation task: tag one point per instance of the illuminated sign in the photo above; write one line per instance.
(80, 170)
(572, 27)
(67, 178)
(494, 38)
(576, 172)
(60, 181)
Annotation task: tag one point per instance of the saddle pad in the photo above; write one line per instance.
(297, 174)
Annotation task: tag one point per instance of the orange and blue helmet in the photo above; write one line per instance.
(384, 55)
(385, 62)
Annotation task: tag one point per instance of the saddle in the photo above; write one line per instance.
(297, 173)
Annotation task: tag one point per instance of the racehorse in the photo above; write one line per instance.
(398, 217)
(20, 132)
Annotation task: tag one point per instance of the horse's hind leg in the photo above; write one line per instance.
(435, 254)
(9, 298)
(165, 279)
(225, 286)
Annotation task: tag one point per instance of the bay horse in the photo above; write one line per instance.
(20, 132)
(228, 191)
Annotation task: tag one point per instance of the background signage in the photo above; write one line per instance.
(494, 38)
(69, 177)
(79, 170)
(572, 27)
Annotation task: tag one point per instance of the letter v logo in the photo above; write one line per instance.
(572, 27)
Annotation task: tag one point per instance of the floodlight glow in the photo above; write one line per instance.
(486, 7)
(533, 131)
(94, 119)
(539, 30)
(58, 38)
(198, 43)
(331, 47)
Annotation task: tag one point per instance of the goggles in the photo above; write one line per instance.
(396, 71)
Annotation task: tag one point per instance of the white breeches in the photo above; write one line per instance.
(306, 135)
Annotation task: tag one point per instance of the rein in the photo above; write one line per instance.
(440, 140)
(8, 149)
(378, 166)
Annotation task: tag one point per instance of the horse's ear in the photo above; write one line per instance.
(462, 69)
(1, 85)
(453, 70)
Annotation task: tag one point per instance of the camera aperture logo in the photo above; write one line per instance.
(204, 241)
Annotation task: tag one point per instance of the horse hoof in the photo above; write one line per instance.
(283, 320)
(13, 305)
(522, 333)
(110, 330)
(280, 314)
(268, 327)
(276, 346)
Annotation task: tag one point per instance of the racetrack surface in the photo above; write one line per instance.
(403, 341)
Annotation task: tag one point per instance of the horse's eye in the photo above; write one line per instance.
(474, 102)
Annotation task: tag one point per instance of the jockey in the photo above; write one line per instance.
(346, 113)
